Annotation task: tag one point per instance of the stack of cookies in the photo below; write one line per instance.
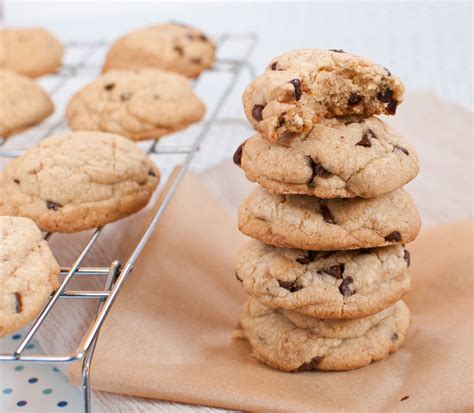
(328, 268)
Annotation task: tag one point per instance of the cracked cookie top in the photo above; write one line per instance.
(173, 46)
(140, 104)
(301, 87)
(340, 158)
(22, 103)
(28, 272)
(31, 52)
(325, 284)
(78, 181)
(309, 223)
(290, 341)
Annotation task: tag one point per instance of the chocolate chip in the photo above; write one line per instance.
(196, 60)
(297, 85)
(365, 141)
(274, 66)
(311, 255)
(53, 205)
(337, 50)
(406, 257)
(17, 181)
(385, 95)
(125, 96)
(109, 86)
(237, 158)
(312, 365)
(203, 38)
(401, 148)
(334, 270)
(257, 112)
(404, 398)
(18, 303)
(288, 285)
(388, 71)
(237, 276)
(354, 99)
(327, 214)
(151, 173)
(391, 108)
(317, 170)
(394, 337)
(179, 50)
(394, 236)
(346, 287)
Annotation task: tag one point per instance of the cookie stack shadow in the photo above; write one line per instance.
(327, 268)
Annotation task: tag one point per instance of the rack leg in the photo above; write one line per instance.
(86, 388)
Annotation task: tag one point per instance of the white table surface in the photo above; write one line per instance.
(429, 45)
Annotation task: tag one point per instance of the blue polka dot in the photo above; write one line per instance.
(62, 404)
(55, 369)
(32, 380)
(7, 390)
(21, 403)
(16, 336)
(30, 346)
(19, 368)
(47, 391)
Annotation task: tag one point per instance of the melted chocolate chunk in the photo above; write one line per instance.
(179, 50)
(297, 85)
(401, 148)
(109, 86)
(327, 214)
(125, 96)
(337, 50)
(394, 337)
(394, 236)
(18, 303)
(365, 141)
(237, 276)
(274, 66)
(312, 365)
(335, 271)
(237, 158)
(310, 257)
(385, 95)
(288, 285)
(53, 205)
(406, 257)
(354, 99)
(17, 181)
(196, 60)
(317, 170)
(346, 287)
(257, 112)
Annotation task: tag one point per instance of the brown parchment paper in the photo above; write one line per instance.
(169, 334)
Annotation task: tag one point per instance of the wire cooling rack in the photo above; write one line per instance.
(115, 273)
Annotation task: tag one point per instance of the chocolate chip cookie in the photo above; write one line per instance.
(78, 181)
(340, 158)
(31, 52)
(290, 341)
(22, 103)
(28, 272)
(338, 284)
(309, 223)
(139, 104)
(301, 87)
(174, 47)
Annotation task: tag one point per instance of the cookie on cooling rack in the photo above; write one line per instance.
(138, 104)
(78, 181)
(174, 47)
(31, 52)
(22, 103)
(28, 272)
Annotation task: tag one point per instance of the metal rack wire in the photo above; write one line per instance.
(116, 273)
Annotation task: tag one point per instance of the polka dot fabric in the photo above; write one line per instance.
(34, 387)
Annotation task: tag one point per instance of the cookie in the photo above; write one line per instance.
(174, 47)
(301, 87)
(28, 273)
(309, 223)
(339, 284)
(338, 159)
(78, 181)
(141, 104)
(290, 341)
(31, 52)
(22, 103)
